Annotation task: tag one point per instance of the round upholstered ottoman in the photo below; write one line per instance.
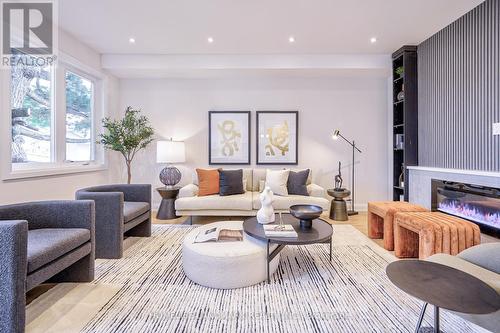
(226, 265)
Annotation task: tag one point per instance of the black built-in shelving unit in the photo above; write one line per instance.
(405, 116)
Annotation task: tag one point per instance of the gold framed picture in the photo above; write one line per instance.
(277, 137)
(228, 137)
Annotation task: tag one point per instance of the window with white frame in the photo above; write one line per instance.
(31, 101)
(79, 115)
(54, 113)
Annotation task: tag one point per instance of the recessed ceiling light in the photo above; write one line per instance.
(291, 39)
(210, 40)
(373, 40)
(131, 40)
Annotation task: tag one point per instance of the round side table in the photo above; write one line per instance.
(338, 207)
(167, 206)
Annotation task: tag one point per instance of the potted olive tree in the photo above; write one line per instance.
(127, 136)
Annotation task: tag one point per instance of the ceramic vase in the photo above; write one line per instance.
(265, 214)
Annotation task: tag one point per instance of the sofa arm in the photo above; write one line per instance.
(188, 191)
(315, 190)
(13, 264)
(52, 214)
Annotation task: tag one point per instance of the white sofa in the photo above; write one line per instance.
(189, 203)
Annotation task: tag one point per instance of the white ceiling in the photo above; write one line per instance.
(256, 26)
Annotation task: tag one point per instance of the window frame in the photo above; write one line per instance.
(94, 111)
(58, 165)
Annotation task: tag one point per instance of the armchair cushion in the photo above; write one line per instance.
(132, 209)
(46, 245)
(483, 255)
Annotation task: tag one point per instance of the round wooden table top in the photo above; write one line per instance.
(444, 286)
(321, 231)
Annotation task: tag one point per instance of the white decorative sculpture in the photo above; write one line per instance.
(266, 212)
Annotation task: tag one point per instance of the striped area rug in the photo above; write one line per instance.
(308, 293)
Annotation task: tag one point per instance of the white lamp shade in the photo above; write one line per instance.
(170, 152)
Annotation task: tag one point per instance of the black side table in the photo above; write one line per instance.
(444, 287)
(167, 206)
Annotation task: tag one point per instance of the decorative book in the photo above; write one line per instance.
(219, 235)
(280, 230)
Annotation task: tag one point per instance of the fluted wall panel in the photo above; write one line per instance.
(459, 92)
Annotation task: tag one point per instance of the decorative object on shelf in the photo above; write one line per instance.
(306, 214)
(127, 136)
(401, 94)
(399, 141)
(338, 179)
(277, 137)
(229, 137)
(402, 177)
(335, 136)
(170, 152)
(265, 214)
(400, 71)
(404, 115)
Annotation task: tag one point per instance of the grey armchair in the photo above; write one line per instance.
(42, 241)
(121, 209)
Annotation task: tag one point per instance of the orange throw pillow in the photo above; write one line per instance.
(208, 181)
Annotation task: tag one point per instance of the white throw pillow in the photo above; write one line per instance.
(277, 180)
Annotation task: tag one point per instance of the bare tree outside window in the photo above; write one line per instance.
(31, 113)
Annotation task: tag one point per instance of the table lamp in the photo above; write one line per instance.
(170, 151)
(336, 134)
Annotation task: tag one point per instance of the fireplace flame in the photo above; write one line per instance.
(470, 212)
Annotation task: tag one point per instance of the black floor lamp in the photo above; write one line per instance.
(335, 136)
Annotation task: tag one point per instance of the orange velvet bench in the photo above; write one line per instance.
(422, 234)
(381, 219)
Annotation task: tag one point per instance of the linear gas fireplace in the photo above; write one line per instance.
(479, 204)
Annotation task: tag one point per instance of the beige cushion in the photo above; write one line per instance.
(260, 175)
(190, 190)
(231, 202)
(277, 181)
(316, 191)
(284, 203)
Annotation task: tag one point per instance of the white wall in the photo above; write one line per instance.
(63, 186)
(178, 108)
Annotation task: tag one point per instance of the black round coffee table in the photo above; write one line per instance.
(320, 232)
(444, 287)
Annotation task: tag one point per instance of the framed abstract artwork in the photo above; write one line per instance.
(228, 137)
(277, 137)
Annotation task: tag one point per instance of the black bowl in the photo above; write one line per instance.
(306, 213)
